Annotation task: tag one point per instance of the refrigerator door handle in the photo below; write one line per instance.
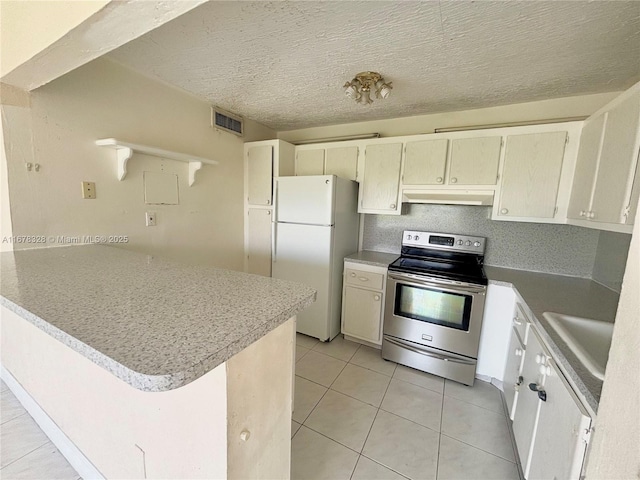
(274, 235)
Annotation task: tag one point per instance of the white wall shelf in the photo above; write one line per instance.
(124, 151)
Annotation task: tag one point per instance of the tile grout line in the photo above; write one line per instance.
(477, 448)
(13, 418)
(26, 454)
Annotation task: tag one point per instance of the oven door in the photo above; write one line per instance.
(437, 313)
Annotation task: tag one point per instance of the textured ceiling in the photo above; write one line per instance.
(284, 63)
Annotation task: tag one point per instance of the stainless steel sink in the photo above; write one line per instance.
(589, 340)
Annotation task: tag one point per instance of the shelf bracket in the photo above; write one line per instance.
(193, 168)
(123, 155)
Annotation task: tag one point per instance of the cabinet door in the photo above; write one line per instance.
(425, 162)
(260, 174)
(474, 161)
(362, 311)
(531, 175)
(618, 160)
(512, 372)
(586, 165)
(559, 450)
(342, 162)
(525, 418)
(310, 162)
(381, 179)
(259, 241)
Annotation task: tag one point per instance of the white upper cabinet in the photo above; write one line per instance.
(604, 195)
(310, 162)
(586, 166)
(328, 159)
(618, 159)
(531, 174)
(425, 162)
(474, 161)
(259, 174)
(380, 182)
(342, 162)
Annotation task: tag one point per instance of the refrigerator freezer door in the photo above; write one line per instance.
(306, 200)
(303, 254)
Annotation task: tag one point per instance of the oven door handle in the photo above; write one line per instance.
(421, 282)
(428, 354)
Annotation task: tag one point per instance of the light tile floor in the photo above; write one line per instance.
(25, 451)
(358, 416)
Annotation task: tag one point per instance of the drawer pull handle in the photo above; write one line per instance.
(542, 395)
(363, 279)
(353, 274)
(517, 321)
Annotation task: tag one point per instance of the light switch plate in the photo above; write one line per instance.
(88, 190)
(150, 218)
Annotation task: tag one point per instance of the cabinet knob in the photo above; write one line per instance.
(518, 352)
(353, 274)
(393, 205)
(454, 180)
(268, 202)
(583, 213)
(544, 370)
(439, 179)
(244, 435)
(540, 359)
(516, 321)
(592, 215)
(504, 211)
(376, 297)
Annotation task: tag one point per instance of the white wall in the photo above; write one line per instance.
(615, 452)
(29, 27)
(103, 99)
(579, 106)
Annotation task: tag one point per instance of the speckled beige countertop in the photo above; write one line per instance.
(153, 323)
(376, 259)
(562, 294)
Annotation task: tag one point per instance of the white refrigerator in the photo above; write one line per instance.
(316, 225)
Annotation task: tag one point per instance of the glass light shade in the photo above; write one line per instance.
(365, 98)
(350, 90)
(385, 91)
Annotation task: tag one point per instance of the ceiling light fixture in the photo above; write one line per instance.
(363, 83)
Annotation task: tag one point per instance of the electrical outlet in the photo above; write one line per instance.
(88, 190)
(151, 219)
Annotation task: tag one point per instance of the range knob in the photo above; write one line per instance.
(460, 242)
(476, 244)
(416, 237)
(408, 237)
(468, 243)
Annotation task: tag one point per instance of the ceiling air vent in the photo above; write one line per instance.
(226, 121)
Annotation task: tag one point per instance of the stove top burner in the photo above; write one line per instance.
(452, 257)
(462, 272)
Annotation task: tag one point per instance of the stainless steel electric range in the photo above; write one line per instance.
(435, 302)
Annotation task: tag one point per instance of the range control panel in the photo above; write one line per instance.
(443, 241)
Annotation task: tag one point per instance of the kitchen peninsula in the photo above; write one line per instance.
(152, 368)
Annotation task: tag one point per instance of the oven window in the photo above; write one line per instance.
(434, 306)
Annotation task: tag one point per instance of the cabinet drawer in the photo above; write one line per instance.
(521, 323)
(364, 279)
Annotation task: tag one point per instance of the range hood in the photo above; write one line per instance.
(449, 197)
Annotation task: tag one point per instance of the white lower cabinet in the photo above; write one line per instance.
(550, 425)
(526, 414)
(512, 377)
(562, 430)
(363, 302)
